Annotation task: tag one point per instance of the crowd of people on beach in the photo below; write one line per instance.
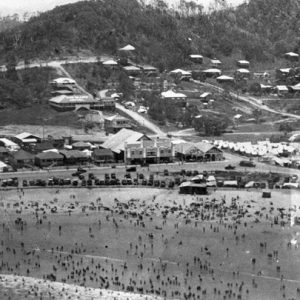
(159, 261)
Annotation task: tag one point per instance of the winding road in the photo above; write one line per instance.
(252, 101)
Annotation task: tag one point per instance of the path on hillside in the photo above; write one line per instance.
(136, 116)
(58, 65)
(248, 99)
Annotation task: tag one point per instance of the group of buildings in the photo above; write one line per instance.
(128, 147)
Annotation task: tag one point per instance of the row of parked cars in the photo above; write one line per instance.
(92, 180)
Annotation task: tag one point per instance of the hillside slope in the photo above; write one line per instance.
(260, 30)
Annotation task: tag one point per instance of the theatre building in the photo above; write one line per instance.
(149, 152)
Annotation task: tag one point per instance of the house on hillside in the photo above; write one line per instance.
(74, 102)
(215, 63)
(281, 90)
(132, 71)
(282, 74)
(224, 79)
(291, 56)
(196, 58)
(149, 70)
(243, 64)
(63, 82)
(49, 158)
(21, 158)
(242, 73)
(115, 123)
(204, 97)
(174, 97)
(149, 151)
(116, 143)
(212, 73)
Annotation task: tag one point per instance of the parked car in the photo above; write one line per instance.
(156, 182)
(141, 176)
(75, 182)
(188, 173)
(81, 177)
(229, 167)
(131, 169)
(247, 163)
(91, 176)
(195, 172)
(171, 184)
(129, 181)
(67, 181)
(113, 175)
(162, 184)
(166, 172)
(25, 183)
(81, 170)
(124, 181)
(144, 182)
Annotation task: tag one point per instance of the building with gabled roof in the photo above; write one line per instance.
(74, 102)
(74, 157)
(26, 137)
(21, 159)
(200, 151)
(115, 123)
(116, 143)
(49, 158)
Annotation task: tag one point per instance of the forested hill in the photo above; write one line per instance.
(259, 30)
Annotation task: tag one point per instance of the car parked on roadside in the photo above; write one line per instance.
(247, 163)
(230, 167)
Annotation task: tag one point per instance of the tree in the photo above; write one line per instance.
(211, 125)
(286, 128)
(125, 85)
(257, 113)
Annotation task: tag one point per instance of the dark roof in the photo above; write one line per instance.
(103, 152)
(3, 150)
(49, 155)
(46, 145)
(22, 155)
(81, 145)
(73, 154)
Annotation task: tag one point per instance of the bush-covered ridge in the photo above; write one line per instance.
(259, 30)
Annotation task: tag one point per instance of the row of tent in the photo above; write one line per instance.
(260, 149)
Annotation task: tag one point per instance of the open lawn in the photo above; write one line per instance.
(156, 242)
